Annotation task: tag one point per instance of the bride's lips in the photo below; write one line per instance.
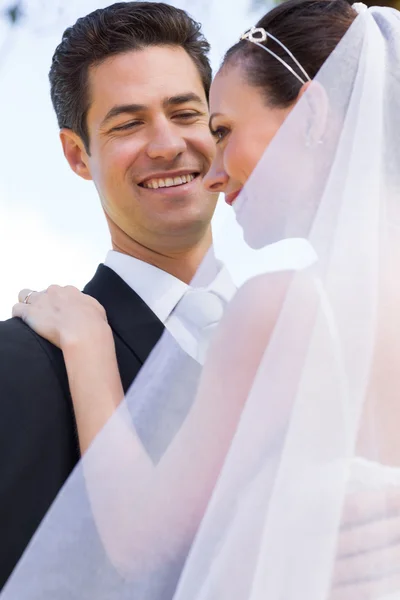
(230, 198)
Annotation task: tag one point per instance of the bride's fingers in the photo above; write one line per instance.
(369, 536)
(21, 311)
(27, 296)
(362, 507)
(367, 566)
(27, 300)
(368, 590)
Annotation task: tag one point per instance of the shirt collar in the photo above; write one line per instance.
(160, 290)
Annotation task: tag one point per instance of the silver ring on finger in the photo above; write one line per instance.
(26, 301)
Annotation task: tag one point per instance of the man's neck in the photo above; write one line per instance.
(182, 262)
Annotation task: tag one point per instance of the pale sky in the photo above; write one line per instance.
(52, 229)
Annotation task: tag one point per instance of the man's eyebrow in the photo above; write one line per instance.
(120, 109)
(182, 99)
(211, 118)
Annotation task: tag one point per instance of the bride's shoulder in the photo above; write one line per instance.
(265, 293)
(250, 319)
(257, 304)
(273, 284)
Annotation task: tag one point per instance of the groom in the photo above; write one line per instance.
(129, 85)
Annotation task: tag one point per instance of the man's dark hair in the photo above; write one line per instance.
(119, 28)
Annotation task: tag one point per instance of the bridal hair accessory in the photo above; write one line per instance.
(258, 35)
(359, 7)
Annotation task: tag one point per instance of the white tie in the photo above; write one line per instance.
(198, 313)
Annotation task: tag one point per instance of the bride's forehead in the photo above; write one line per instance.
(228, 77)
(231, 90)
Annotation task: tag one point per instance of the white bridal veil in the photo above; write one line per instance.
(275, 473)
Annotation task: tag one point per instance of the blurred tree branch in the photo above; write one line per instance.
(14, 13)
(40, 16)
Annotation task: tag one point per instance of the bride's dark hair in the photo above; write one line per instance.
(310, 29)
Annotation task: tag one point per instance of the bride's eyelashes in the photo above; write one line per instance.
(219, 133)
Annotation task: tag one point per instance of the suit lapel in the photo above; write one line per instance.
(129, 317)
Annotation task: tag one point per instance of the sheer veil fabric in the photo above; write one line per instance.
(235, 481)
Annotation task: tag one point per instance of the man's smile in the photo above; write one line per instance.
(162, 181)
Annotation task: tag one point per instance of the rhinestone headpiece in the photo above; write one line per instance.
(258, 35)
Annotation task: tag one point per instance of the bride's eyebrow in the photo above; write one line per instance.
(211, 119)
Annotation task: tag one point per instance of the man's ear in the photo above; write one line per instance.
(75, 153)
(318, 104)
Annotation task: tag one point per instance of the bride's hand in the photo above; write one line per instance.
(62, 315)
(368, 559)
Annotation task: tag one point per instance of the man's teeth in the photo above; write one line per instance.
(168, 182)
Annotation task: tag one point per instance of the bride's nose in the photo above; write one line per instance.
(216, 179)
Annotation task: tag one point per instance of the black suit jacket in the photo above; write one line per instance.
(38, 441)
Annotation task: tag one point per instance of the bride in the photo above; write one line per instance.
(283, 479)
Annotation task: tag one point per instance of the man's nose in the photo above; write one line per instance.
(166, 142)
(216, 179)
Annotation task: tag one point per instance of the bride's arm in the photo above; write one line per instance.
(173, 499)
(94, 397)
(173, 495)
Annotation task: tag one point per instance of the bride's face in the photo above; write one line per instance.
(243, 126)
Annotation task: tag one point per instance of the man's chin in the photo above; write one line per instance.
(188, 227)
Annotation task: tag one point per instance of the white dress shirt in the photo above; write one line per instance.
(189, 324)
(160, 290)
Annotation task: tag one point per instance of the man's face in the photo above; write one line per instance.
(149, 134)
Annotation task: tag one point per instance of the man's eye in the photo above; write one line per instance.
(129, 125)
(186, 115)
(219, 133)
